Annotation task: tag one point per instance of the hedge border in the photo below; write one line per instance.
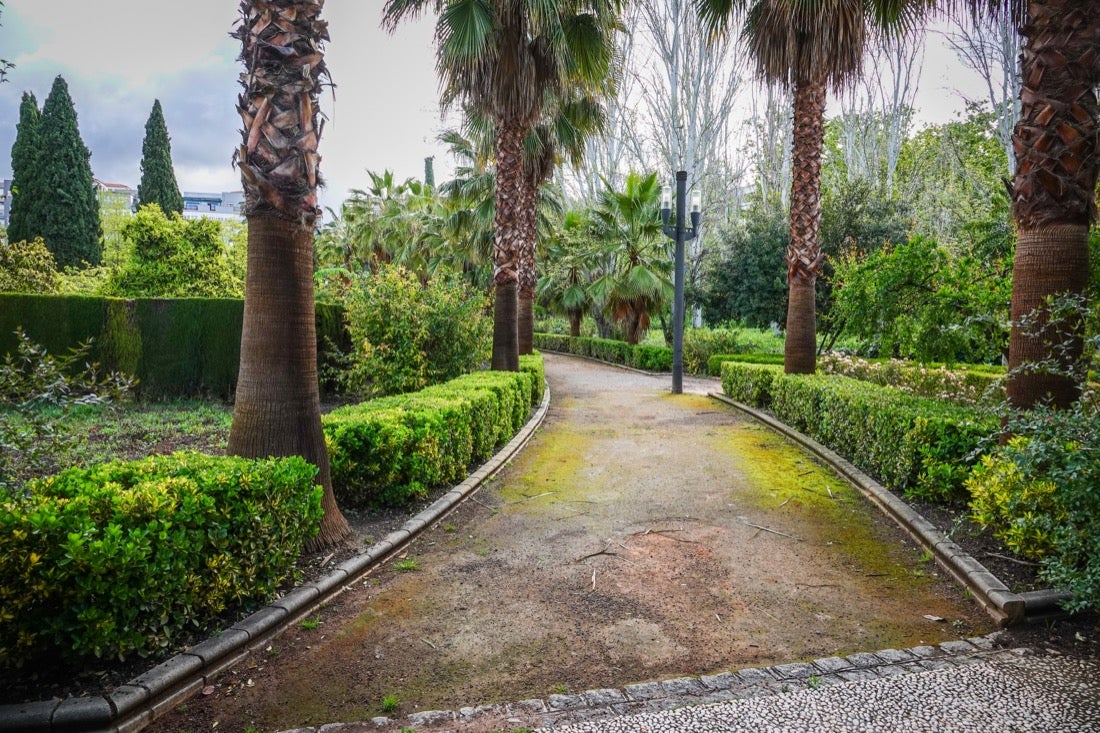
(147, 697)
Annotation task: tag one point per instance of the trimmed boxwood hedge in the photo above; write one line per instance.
(714, 363)
(391, 451)
(177, 347)
(641, 356)
(122, 557)
(920, 446)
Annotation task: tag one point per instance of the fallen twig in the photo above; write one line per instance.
(665, 533)
(536, 496)
(1013, 559)
(785, 501)
(773, 531)
(433, 646)
(593, 579)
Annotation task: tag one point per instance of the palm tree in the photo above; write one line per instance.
(565, 285)
(807, 46)
(277, 409)
(634, 280)
(504, 58)
(1053, 191)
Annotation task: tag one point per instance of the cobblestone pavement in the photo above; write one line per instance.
(970, 686)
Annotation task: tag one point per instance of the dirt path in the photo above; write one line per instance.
(639, 536)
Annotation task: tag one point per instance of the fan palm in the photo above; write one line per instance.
(504, 58)
(277, 410)
(807, 46)
(634, 278)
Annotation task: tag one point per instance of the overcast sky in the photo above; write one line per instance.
(119, 55)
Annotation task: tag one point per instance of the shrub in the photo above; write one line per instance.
(121, 558)
(921, 446)
(390, 451)
(649, 358)
(406, 335)
(964, 384)
(27, 267)
(700, 344)
(714, 363)
(1041, 493)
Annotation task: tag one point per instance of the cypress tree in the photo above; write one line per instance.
(24, 221)
(158, 179)
(70, 223)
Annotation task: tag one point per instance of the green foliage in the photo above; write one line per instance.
(921, 301)
(37, 393)
(391, 451)
(27, 205)
(158, 178)
(714, 363)
(700, 344)
(964, 384)
(1041, 494)
(641, 356)
(65, 191)
(406, 335)
(121, 558)
(174, 258)
(27, 267)
(921, 446)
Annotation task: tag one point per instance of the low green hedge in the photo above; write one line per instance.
(920, 446)
(122, 557)
(392, 450)
(641, 356)
(714, 363)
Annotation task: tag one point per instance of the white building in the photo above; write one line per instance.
(5, 201)
(224, 205)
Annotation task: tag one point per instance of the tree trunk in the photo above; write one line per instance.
(575, 315)
(528, 278)
(525, 324)
(804, 257)
(507, 242)
(1055, 142)
(278, 406)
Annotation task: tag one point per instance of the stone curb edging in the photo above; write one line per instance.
(648, 697)
(140, 701)
(1003, 605)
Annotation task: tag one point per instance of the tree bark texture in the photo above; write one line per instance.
(1053, 192)
(527, 274)
(804, 256)
(277, 409)
(507, 243)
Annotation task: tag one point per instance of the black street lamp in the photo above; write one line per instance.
(680, 234)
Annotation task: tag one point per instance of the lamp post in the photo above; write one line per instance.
(679, 233)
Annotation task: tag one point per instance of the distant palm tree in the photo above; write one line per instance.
(572, 264)
(634, 277)
(277, 410)
(503, 58)
(808, 46)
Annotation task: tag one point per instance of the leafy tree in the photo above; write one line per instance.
(25, 218)
(158, 178)
(506, 58)
(5, 65)
(174, 257)
(920, 300)
(408, 334)
(744, 280)
(278, 405)
(565, 285)
(70, 209)
(27, 267)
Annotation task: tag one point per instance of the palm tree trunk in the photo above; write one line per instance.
(277, 409)
(507, 243)
(278, 406)
(575, 315)
(804, 257)
(1055, 141)
(528, 278)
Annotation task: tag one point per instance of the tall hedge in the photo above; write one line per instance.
(176, 347)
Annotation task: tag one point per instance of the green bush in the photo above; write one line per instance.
(1041, 493)
(920, 446)
(406, 335)
(532, 364)
(700, 344)
(27, 267)
(964, 384)
(120, 558)
(714, 363)
(392, 450)
(645, 357)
